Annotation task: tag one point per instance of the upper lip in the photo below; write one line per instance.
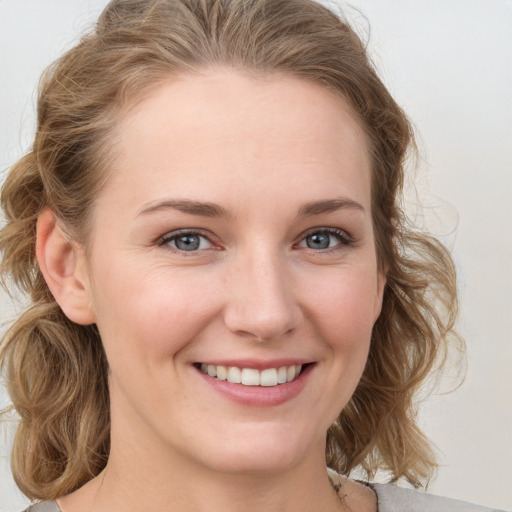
(256, 364)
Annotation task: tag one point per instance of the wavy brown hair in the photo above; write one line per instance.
(57, 371)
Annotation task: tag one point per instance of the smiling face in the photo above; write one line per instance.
(234, 242)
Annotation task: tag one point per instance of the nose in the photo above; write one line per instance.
(261, 302)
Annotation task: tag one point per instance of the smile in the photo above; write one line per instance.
(252, 377)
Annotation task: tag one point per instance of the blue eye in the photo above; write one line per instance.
(323, 239)
(187, 241)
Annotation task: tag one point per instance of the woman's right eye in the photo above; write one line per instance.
(186, 241)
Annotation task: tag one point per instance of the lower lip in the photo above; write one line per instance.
(259, 396)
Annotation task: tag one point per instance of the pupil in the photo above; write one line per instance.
(318, 241)
(188, 242)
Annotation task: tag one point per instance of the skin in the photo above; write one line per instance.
(262, 149)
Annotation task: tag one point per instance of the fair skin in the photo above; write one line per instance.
(235, 231)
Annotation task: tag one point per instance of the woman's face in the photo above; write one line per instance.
(234, 238)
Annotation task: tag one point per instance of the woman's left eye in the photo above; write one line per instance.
(187, 241)
(323, 239)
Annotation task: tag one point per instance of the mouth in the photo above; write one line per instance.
(269, 377)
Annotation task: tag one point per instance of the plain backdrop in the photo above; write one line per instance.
(449, 64)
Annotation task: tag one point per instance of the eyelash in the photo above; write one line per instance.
(175, 235)
(342, 237)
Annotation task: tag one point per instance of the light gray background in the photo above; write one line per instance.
(449, 64)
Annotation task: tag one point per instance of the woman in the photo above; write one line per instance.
(221, 268)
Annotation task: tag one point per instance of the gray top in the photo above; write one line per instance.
(390, 498)
(45, 506)
(397, 499)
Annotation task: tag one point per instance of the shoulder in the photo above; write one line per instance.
(398, 499)
(44, 506)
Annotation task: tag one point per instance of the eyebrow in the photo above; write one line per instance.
(203, 209)
(206, 209)
(329, 206)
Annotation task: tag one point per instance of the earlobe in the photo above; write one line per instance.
(59, 260)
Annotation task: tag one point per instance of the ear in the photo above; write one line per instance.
(62, 264)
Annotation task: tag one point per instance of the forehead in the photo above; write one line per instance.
(235, 130)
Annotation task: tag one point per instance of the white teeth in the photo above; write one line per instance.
(222, 372)
(234, 375)
(252, 377)
(281, 375)
(268, 377)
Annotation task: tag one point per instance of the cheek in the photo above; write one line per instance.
(153, 315)
(342, 312)
(344, 308)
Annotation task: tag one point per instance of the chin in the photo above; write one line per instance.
(258, 451)
(255, 464)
